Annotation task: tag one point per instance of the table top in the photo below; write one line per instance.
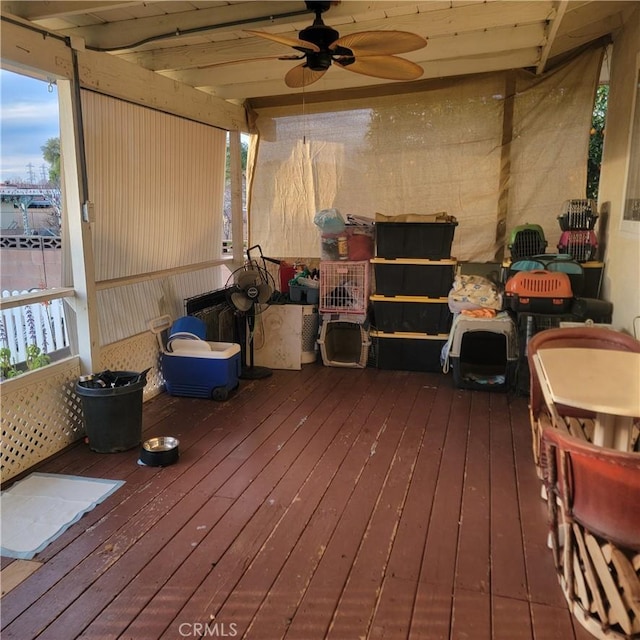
(600, 380)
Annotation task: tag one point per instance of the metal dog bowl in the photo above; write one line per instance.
(160, 451)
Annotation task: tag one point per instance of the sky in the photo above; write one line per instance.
(29, 117)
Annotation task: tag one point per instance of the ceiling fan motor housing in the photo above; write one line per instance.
(318, 61)
(319, 34)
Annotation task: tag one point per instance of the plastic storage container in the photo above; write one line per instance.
(411, 314)
(430, 240)
(304, 294)
(113, 415)
(189, 325)
(405, 277)
(484, 353)
(344, 344)
(406, 351)
(592, 279)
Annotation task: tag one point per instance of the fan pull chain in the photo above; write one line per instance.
(304, 119)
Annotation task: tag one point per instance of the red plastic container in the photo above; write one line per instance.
(287, 272)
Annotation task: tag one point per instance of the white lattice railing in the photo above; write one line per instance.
(37, 323)
(42, 414)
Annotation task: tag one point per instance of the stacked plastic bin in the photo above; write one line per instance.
(413, 273)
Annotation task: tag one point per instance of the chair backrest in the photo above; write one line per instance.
(599, 487)
(586, 337)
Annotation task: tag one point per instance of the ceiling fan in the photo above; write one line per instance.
(371, 53)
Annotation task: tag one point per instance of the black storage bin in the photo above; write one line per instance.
(406, 351)
(592, 279)
(431, 240)
(429, 278)
(113, 415)
(411, 314)
(599, 311)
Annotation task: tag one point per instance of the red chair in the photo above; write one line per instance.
(593, 497)
(577, 422)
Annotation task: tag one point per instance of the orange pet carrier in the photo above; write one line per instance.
(539, 291)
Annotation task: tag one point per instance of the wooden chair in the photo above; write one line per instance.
(593, 498)
(577, 422)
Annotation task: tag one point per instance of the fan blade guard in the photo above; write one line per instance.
(247, 278)
(264, 292)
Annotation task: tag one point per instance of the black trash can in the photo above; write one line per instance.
(113, 412)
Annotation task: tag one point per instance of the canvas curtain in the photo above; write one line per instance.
(495, 151)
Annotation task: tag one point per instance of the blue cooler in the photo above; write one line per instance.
(194, 367)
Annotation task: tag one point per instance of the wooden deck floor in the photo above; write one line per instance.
(327, 503)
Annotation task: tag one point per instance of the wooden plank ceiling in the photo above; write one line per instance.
(205, 44)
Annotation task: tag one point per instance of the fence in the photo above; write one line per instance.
(41, 324)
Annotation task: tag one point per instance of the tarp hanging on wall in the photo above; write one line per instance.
(495, 151)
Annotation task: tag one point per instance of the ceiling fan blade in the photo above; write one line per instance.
(388, 67)
(296, 43)
(301, 76)
(241, 301)
(380, 43)
(264, 292)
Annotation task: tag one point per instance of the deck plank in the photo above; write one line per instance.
(473, 566)
(316, 609)
(321, 503)
(233, 591)
(353, 615)
(508, 573)
(98, 547)
(280, 603)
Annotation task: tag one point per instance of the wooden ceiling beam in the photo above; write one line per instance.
(554, 25)
(35, 10)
